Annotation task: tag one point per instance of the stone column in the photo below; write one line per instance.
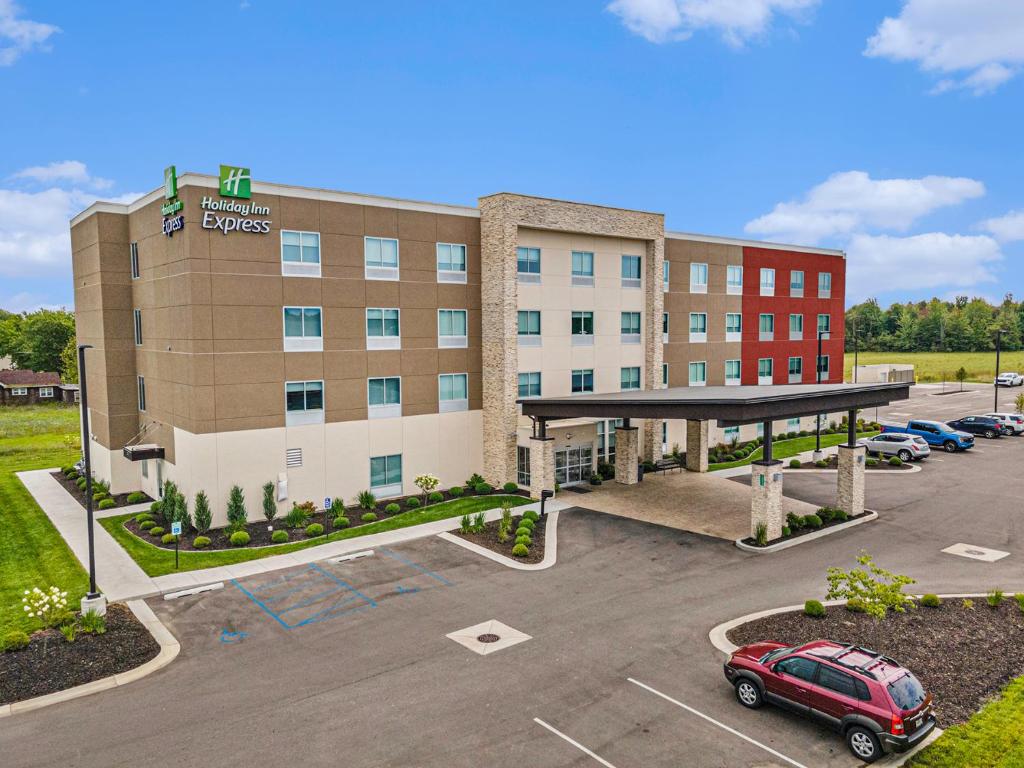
(766, 498)
(626, 455)
(851, 478)
(542, 465)
(654, 304)
(696, 445)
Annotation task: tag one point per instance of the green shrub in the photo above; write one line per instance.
(466, 523)
(994, 598)
(269, 501)
(237, 514)
(803, 433)
(871, 462)
(413, 502)
(435, 497)
(895, 461)
(99, 496)
(482, 489)
(239, 539)
(522, 530)
(531, 514)
(814, 609)
(107, 504)
(596, 480)
(201, 542)
(1019, 597)
(143, 517)
(14, 640)
(81, 483)
(340, 522)
(168, 538)
(156, 531)
(479, 522)
(136, 497)
(826, 514)
(367, 500)
(203, 515)
(520, 550)
(392, 509)
(821, 463)
(368, 517)
(930, 601)
(524, 540)
(474, 480)
(812, 521)
(314, 529)
(279, 537)
(91, 623)
(856, 605)
(786, 531)
(510, 487)
(156, 508)
(761, 534)
(794, 521)
(794, 463)
(456, 491)
(968, 604)
(527, 523)
(147, 524)
(297, 516)
(878, 588)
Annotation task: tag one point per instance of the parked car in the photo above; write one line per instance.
(1010, 379)
(907, 447)
(978, 425)
(936, 433)
(1013, 423)
(876, 704)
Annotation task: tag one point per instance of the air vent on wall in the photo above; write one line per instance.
(293, 457)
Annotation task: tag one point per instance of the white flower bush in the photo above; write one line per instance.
(50, 607)
(427, 483)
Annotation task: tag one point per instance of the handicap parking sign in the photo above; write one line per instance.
(327, 502)
(176, 529)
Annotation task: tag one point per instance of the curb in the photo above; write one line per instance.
(911, 470)
(807, 536)
(550, 548)
(169, 649)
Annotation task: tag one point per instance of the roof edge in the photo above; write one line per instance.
(675, 235)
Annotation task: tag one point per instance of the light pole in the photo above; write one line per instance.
(995, 382)
(855, 349)
(93, 601)
(818, 455)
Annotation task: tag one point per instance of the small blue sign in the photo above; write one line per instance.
(176, 529)
(327, 502)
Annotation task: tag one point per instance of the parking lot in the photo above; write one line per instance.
(350, 663)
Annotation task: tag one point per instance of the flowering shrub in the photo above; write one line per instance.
(49, 607)
(426, 484)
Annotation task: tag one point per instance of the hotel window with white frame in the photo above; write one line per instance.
(380, 255)
(303, 329)
(45, 392)
(766, 327)
(529, 384)
(582, 380)
(664, 374)
(453, 392)
(386, 475)
(304, 403)
(451, 328)
(664, 438)
(137, 321)
(141, 385)
(529, 328)
(664, 327)
(732, 372)
(582, 268)
(823, 367)
(630, 327)
(731, 433)
(764, 370)
(630, 271)
(767, 281)
(760, 429)
(523, 466)
(698, 278)
(629, 378)
(733, 326)
(793, 424)
(824, 285)
(383, 328)
(796, 283)
(796, 370)
(824, 325)
(582, 325)
(19, 391)
(664, 275)
(134, 251)
(698, 374)
(734, 280)
(796, 327)
(698, 327)
(300, 253)
(528, 264)
(451, 263)
(384, 397)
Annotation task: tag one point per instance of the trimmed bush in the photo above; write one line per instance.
(156, 531)
(482, 489)
(340, 522)
(826, 514)
(435, 497)
(814, 609)
(156, 508)
(367, 500)
(14, 640)
(994, 598)
(813, 521)
(203, 515)
(596, 480)
(80, 482)
(531, 514)
(856, 605)
(895, 461)
(794, 463)
(456, 491)
(279, 537)
(369, 517)
(201, 542)
(786, 531)
(794, 521)
(840, 516)
(99, 496)
(520, 550)
(871, 462)
(143, 517)
(524, 540)
(239, 538)
(107, 504)
(297, 516)
(821, 463)
(314, 529)
(168, 538)
(136, 497)
(269, 501)
(146, 524)
(510, 487)
(413, 502)
(392, 509)
(930, 601)
(527, 523)
(522, 530)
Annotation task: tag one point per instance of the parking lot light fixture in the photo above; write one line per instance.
(818, 455)
(93, 601)
(995, 384)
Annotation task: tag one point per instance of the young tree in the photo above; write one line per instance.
(961, 376)
(269, 502)
(426, 483)
(237, 516)
(203, 515)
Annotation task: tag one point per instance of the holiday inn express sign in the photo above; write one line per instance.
(234, 215)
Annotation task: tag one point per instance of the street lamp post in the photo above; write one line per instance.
(93, 601)
(818, 455)
(995, 382)
(855, 349)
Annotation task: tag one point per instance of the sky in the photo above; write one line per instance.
(889, 128)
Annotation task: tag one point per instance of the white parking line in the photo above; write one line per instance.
(723, 726)
(575, 743)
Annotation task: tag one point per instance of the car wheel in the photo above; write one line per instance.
(989, 434)
(748, 694)
(863, 744)
(905, 455)
(950, 446)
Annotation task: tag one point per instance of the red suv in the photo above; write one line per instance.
(875, 703)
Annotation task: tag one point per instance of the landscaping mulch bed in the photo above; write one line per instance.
(50, 663)
(962, 656)
(804, 531)
(489, 538)
(833, 463)
(120, 499)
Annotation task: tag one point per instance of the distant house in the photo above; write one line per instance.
(27, 387)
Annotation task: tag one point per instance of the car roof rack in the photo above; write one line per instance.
(874, 658)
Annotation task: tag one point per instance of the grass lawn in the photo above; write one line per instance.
(32, 553)
(784, 449)
(942, 366)
(993, 737)
(159, 562)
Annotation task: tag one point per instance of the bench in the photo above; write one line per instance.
(668, 464)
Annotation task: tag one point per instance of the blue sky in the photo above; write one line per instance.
(889, 128)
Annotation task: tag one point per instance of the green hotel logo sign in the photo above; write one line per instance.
(170, 182)
(235, 182)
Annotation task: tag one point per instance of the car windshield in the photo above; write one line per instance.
(772, 655)
(906, 692)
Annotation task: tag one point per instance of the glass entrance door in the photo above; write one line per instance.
(574, 464)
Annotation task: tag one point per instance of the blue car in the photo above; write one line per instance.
(936, 433)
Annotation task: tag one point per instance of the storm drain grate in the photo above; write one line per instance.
(488, 637)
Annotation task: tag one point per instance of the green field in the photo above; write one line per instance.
(942, 366)
(32, 553)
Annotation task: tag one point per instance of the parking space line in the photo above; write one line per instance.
(711, 720)
(575, 743)
(395, 556)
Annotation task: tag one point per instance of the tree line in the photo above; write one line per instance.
(960, 325)
(43, 340)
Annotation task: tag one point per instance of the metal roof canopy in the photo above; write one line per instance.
(731, 406)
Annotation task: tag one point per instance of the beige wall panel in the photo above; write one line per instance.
(302, 292)
(417, 225)
(344, 292)
(384, 363)
(248, 368)
(345, 365)
(298, 213)
(246, 290)
(381, 222)
(341, 218)
(241, 400)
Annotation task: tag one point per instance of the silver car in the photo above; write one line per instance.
(1013, 423)
(907, 447)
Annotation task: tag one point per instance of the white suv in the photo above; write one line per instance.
(1009, 379)
(1013, 423)
(907, 447)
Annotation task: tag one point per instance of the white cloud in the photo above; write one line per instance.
(1006, 228)
(737, 21)
(918, 263)
(851, 201)
(73, 171)
(18, 36)
(977, 44)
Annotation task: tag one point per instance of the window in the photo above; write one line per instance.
(698, 326)
(732, 371)
(698, 278)
(453, 392)
(528, 264)
(766, 326)
(384, 397)
(837, 681)
(767, 281)
(798, 667)
(523, 466)
(793, 424)
(451, 328)
(664, 374)
(664, 327)
(529, 328)
(796, 283)
(760, 429)
(734, 279)
(573, 464)
(664, 276)
(732, 433)
(583, 380)
(529, 384)
(824, 285)
(733, 326)
(606, 439)
(304, 402)
(386, 475)
(134, 251)
(630, 271)
(19, 391)
(796, 327)
(300, 253)
(137, 319)
(764, 370)
(629, 378)
(45, 392)
(664, 437)
(583, 328)
(796, 370)
(383, 328)
(823, 366)
(381, 258)
(303, 330)
(142, 393)
(630, 327)
(824, 324)
(698, 374)
(451, 263)
(145, 468)
(582, 268)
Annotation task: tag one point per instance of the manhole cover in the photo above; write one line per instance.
(488, 637)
